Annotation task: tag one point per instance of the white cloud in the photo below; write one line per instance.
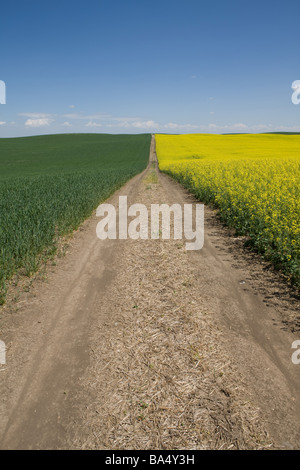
(240, 125)
(93, 124)
(2, 123)
(129, 123)
(262, 127)
(38, 122)
(174, 125)
(82, 116)
(135, 124)
(145, 124)
(72, 106)
(207, 127)
(288, 128)
(171, 125)
(123, 119)
(226, 127)
(73, 116)
(36, 115)
(120, 123)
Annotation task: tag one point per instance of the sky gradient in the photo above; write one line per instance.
(133, 66)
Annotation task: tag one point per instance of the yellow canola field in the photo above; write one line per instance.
(254, 180)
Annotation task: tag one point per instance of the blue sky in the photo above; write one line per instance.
(133, 66)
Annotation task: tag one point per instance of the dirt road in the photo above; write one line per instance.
(140, 344)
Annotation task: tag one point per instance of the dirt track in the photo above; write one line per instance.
(143, 345)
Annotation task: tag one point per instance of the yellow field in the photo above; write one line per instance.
(253, 179)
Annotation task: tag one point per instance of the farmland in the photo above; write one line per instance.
(50, 184)
(136, 344)
(254, 181)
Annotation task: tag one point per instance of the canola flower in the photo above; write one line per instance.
(254, 180)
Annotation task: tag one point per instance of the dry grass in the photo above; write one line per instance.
(162, 377)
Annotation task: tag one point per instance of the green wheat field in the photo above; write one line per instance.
(50, 184)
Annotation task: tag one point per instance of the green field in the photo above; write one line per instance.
(50, 184)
